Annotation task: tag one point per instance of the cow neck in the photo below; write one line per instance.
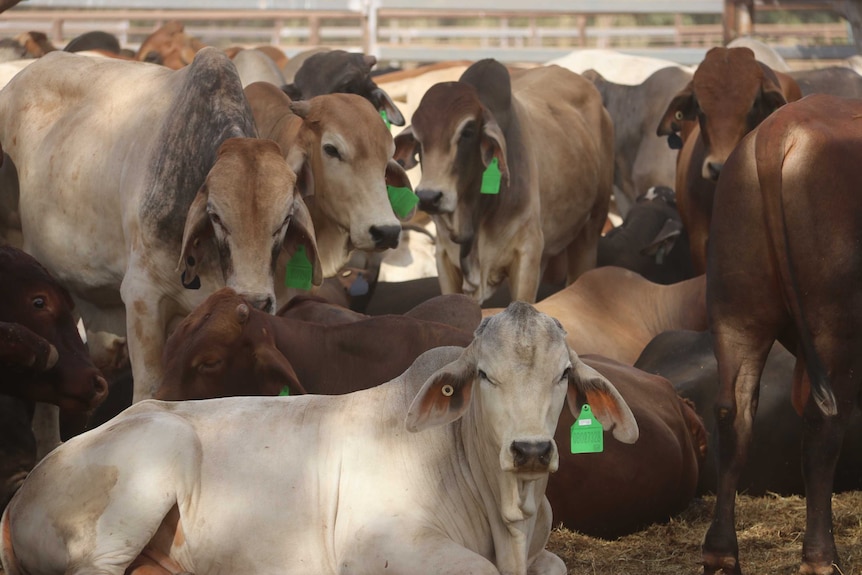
(682, 305)
(512, 503)
(333, 242)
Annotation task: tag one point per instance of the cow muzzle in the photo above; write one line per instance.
(430, 200)
(385, 237)
(262, 302)
(532, 456)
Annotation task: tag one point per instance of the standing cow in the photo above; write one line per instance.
(441, 470)
(542, 142)
(784, 263)
(143, 190)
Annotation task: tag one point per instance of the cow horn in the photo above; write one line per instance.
(53, 356)
(242, 312)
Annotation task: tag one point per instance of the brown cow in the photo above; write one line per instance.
(546, 136)
(214, 349)
(784, 263)
(169, 46)
(728, 96)
(47, 361)
(615, 312)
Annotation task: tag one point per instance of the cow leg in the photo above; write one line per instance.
(740, 364)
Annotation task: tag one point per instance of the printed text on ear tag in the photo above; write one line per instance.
(299, 270)
(403, 200)
(385, 117)
(284, 391)
(491, 178)
(587, 434)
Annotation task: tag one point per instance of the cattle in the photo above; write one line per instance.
(169, 46)
(212, 350)
(641, 160)
(687, 359)
(615, 312)
(342, 151)
(730, 94)
(835, 80)
(469, 433)
(255, 66)
(617, 67)
(622, 489)
(650, 241)
(159, 178)
(94, 40)
(42, 357)
(783, 263)
(337, 71)
(762, 52)
(547, 141)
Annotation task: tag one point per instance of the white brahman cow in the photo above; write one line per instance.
(326, 484)
(126, 169)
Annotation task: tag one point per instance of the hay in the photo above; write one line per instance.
(769, 529)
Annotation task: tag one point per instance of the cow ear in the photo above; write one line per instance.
(297, 159)
(772, 89)
(301, 231)
(406, 149)
(397, 178)
(385, 104)
(586, 385)
(682, 108)
(445, 395)
(275, 371)
(292, 92)
(197, 230)
(664, 240)
(493, 145)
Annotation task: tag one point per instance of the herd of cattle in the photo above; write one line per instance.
(215, 224)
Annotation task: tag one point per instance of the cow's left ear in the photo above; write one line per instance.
(275, 371)
(493, 144)
(397, 178)
(301, 231)
(198, 230)
(445, 395)
(384, 103)
(586, 385)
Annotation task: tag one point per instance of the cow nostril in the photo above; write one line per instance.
(429, 200)
(385, 236)
(263, 303)
(714, 169)
(532, 453)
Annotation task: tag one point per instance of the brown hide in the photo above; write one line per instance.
(42, 357)
(784, 263)
(626, 487)
(728, 96)
(616, 312)
(212, 350)
(169, 46)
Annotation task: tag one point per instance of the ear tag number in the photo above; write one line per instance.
(403, 200)
(285, 391)
(587, 433)
(491, 178)
(385, 117)
(299, 270)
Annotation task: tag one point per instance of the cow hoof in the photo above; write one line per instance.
(720, 565)
(809, 568)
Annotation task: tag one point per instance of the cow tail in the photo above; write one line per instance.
(772, 145)
(11, 565)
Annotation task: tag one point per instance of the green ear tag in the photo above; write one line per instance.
(587, 435)
(403, 200)
(285, 391)
(299, 270)
(491, 178)
(385, 117)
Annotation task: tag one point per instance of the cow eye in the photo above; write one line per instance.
(468, 132)
(566, 375)
(39, 302)
(216, 220)
(482, 375)
(331, 151)
(209, 366)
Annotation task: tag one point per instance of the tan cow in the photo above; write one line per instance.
(342, 150)
(551, 140)
(169, 46)
(730, 93)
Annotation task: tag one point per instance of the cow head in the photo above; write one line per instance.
(514, 378)
(34, 304)
(337, 71)
(169, 46)
(224, 348)
(247, 212)
(728, 96)
(346, 150)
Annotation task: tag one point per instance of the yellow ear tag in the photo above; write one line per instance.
(587, 433)
(299, 270)
(491, 178)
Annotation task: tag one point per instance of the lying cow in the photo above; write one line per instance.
(442, 470)
(730, 94)
(155, 193)
(548, 143)
(784, 264)
(342, 151)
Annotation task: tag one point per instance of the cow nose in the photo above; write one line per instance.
(532, 454)
(429, 200)
(714, 169)
(385, 236)
(265, 303)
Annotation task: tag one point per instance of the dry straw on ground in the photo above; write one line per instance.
(769, 529)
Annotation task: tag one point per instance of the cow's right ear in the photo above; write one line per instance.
(445, 395)
(406, 149)
(681, 109)
(198, 230)
(493, 145)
